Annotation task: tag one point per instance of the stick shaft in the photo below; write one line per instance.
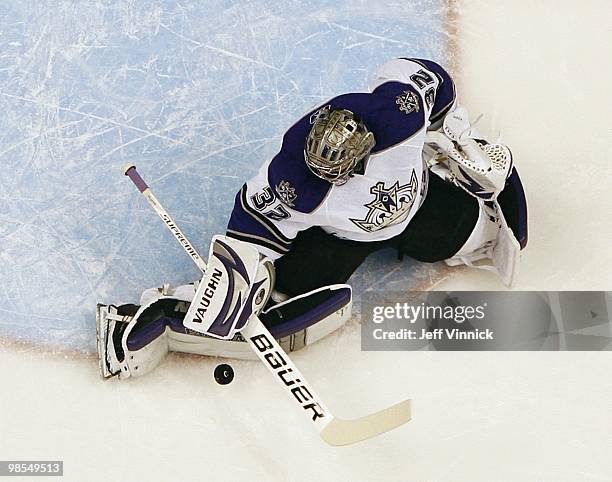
(131, 172)
(286, 373)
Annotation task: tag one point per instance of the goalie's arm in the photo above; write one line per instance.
(264, 213)
(445, 93)
(252, 226)
(433, 83)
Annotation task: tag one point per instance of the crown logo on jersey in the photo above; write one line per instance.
(286, 193)
(408, 102)
(390, 206)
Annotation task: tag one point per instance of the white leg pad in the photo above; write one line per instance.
(141, 362)
(483, 236)
(238, 348)
(492, 246)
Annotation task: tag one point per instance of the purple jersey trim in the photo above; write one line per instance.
(254, 228)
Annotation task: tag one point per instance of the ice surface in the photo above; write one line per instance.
(197, 95)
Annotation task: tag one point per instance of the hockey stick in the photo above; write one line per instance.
(333, 430)
(130, 171)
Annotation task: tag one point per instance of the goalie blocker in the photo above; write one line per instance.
(235, 287)
(206, 318)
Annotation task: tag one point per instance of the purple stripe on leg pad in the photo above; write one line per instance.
(142, 337)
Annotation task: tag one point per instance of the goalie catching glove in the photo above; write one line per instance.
(462, 157)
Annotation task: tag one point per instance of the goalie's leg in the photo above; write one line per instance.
(320, 259)
(454, 226)
(499, 234)
(133, 340)
(115, 322)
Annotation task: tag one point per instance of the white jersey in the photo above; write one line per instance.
(285, 197)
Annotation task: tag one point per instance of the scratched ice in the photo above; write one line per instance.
(197, 94)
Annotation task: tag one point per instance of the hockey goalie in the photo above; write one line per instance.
(400, 166)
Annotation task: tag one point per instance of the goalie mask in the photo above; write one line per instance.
(338, 141)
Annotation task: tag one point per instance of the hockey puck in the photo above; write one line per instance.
(224, 374)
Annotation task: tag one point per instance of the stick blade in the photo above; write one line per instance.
(345, 432)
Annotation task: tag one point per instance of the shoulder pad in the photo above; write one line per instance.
(394, 112)
(288, 175)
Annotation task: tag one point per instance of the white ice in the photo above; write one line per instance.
(197, 95)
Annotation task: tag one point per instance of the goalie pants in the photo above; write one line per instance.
(438, 230)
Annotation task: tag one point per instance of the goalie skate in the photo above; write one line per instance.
(110, 324)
